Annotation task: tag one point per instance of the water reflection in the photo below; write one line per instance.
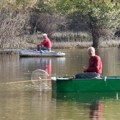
(26, 106)
(45, 64)
(50, 65)
(96, 110)
(22, 102)
(13, 68)
(9, 67)
(87, 105)
(111, 61)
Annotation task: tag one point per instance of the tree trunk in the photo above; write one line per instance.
(94, 29)
(95, 37)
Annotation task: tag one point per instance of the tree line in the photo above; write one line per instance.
(20, 19)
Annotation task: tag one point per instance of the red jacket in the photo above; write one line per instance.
(46, 42)
(95, 64)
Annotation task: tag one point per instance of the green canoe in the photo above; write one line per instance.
(106, 84)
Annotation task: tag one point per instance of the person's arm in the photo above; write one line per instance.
(99, 65)
(43, 42)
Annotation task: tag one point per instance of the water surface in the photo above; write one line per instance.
(21, 101)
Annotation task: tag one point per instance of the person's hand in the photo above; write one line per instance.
(84, 68)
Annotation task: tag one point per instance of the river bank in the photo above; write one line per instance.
(72, 45)
(65, 45)
(9, 51)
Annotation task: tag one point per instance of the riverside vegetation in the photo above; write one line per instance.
(68, 25)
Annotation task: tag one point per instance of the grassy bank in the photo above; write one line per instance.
(65, 40)
(71, 45)
(72, 40)
(67, 45)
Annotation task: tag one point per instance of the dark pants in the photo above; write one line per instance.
(87, 75)
(42, 47)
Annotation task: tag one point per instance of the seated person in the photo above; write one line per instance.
(45, 44)
(94, 68)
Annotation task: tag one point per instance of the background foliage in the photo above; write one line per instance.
(20, 20)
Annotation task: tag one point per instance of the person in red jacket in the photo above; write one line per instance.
(94, 68)
(45, 44)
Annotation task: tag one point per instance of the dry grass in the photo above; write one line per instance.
(111, 43)
(33, 41)
(67, 45)
(71, 36)
(14, 16)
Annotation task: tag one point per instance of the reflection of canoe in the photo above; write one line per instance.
(35, 53)
(85, 96)
(109, 83)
